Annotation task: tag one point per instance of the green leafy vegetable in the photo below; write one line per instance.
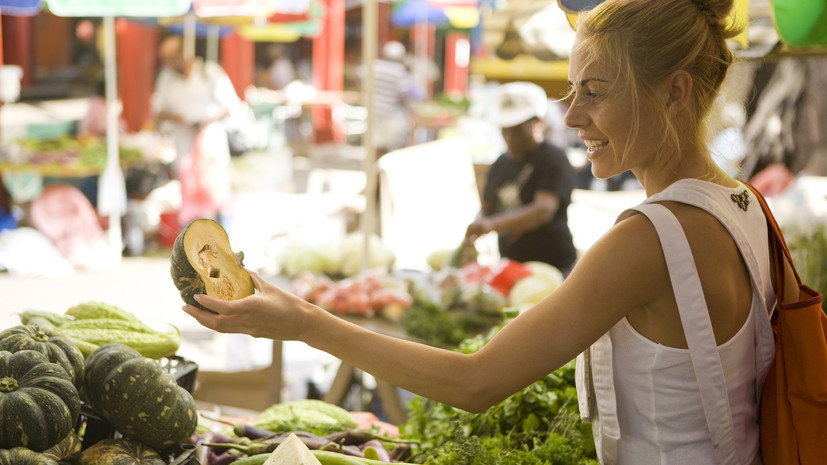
(538, 425)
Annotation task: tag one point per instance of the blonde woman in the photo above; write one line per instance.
(668, 310)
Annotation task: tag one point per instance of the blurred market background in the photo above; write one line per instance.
(305, 193)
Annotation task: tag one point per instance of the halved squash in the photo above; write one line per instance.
(202, 262)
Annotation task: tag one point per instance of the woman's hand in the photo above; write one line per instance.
(270, 312)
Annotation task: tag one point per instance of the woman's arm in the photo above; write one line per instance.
(612, 279)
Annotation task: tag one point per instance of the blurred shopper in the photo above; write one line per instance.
(94, 123)
(784, 136)
(281, 71)
(394, 89)
(192, 97)
(528, 188)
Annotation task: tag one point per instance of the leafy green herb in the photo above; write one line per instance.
(538, 425)
(809, 252)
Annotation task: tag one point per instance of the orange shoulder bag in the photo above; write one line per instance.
(793, 410)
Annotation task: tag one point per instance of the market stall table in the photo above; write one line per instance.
(347, 374)
(253, 389)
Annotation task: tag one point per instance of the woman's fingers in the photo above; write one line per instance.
(258, 281)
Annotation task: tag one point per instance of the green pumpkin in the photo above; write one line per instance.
(121, 451)
(23, 456)
(39, 405)
(69, 445)
(202, 262)
(57, 347)
(139, 398)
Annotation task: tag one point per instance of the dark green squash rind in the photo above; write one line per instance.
(58, 348)
(120, 451)
(23, 456)
(138, 398)
(69, 445)
(184, 276)
(45, 406)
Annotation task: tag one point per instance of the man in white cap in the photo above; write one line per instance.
(528, 189)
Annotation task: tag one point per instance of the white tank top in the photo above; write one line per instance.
(647, 406)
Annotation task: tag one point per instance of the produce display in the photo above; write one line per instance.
(458, 297)
(69, 156)
(202, 262)
(50, 416)
(133, 409)
(327, 431)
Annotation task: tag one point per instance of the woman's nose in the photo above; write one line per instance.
(574, 118)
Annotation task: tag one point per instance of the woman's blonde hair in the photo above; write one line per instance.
(646, 41)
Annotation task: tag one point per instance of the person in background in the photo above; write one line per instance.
(394, 90)
(191, 98)
(281, 71)
(528, 188)
(644, 75)
(94, 122)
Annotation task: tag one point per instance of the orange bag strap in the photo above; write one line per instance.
(778, 245)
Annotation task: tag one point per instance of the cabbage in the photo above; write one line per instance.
(532, 289)
(438, 259)
(298, 256)
(545, 270)
(379, 254)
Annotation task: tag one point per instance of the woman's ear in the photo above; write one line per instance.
(679, 87)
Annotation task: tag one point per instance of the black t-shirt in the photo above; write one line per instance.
(512, 184)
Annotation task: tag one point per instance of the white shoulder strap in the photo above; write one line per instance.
(697, 327)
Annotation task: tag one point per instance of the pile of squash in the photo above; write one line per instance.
(44, 382)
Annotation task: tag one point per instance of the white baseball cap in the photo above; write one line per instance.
(518, 102)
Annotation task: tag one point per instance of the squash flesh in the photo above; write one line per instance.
(204, 263)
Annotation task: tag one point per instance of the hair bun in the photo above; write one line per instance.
(716, 11)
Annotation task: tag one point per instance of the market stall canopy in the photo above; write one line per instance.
(528, 27)
(264, 20)
(459, 14)
(20, 7)
(136, 8)
(252, 8)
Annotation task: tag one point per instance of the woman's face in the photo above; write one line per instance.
(601, 111)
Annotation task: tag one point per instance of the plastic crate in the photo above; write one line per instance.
(184, 371)
(97, 428)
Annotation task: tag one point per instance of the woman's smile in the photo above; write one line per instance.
(595, 147)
